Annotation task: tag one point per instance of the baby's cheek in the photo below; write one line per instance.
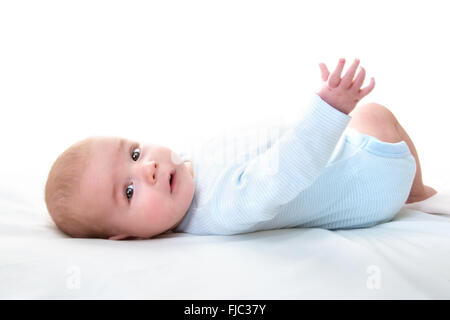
(156, 208)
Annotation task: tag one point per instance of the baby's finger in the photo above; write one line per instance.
(365, 91)
(359, 79)
(324, 70)
(347, 80)
(335, 78)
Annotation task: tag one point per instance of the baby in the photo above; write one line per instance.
(330, 169)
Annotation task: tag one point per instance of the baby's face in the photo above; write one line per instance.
(127, 185)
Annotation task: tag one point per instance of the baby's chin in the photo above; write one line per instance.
(190, 167)
(176, 160)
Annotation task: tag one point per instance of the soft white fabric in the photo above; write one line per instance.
(439, 203)
(408, 257)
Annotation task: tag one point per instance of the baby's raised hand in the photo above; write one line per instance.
(344, 93)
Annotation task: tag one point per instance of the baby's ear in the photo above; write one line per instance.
(119, 237)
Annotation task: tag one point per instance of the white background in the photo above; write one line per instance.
(172, 72)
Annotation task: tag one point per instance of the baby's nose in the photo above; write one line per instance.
(150, 169)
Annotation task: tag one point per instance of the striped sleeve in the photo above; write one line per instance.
(289, 166)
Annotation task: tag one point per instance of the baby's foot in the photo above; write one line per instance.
(428, 192)
(439, 202)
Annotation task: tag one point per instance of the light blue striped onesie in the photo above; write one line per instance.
(316, 173)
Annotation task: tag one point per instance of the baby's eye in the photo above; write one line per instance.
(129, 191)
(135, 154)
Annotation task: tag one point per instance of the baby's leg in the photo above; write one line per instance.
(419, 191)
(425, 198)
(378, 121)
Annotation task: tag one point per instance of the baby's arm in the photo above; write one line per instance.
(293, 163)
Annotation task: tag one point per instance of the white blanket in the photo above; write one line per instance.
(407, 258)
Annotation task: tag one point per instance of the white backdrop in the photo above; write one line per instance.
(172, 72)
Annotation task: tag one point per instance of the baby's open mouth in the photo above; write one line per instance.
(172, 180)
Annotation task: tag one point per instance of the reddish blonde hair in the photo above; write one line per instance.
(62, 188)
